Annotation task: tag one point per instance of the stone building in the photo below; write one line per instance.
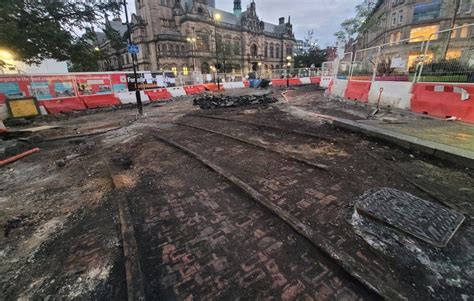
(402, 25)
(186, 35)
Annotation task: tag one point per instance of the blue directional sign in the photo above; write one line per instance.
(133, 49)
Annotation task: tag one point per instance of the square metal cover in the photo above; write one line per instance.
(425, 220)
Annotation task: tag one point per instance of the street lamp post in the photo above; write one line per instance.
(288, 65)
(192, 41)
(217, 18)
(134, 59)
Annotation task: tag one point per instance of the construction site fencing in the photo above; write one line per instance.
(449, 56)
(344, 65)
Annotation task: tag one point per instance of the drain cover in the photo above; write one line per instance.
(425, 220)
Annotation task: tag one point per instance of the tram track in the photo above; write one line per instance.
(284, 205)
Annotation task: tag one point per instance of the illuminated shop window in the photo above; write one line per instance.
(426, 32)
(185, 70)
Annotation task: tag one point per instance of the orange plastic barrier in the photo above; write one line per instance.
(100, 101)
(159, 94)
(444, 100)
(283, 82)
(358, 91)
(331, 84)
(213, 87)
(64, 105)
(196, 89)
(316, 80)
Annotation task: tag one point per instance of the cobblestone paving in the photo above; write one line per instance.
(201, 239)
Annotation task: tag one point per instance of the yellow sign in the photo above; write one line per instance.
(24, 107)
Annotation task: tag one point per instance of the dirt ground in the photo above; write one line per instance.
(280, 228)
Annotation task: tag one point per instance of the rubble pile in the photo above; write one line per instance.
(211, 101)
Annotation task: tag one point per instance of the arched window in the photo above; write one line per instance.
(236, 47)
(277, 52)
(202, 43)
(254, 50)
(205, 68)
(271, 52)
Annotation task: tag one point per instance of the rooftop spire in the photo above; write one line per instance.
(237, 7)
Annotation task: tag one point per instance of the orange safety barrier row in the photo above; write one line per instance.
(358, 91)
(100, 101)
(444, 100)
(196, 89)
(159, 94)
(284, 82)
(316, 80)
(64, 105)
(213, 87)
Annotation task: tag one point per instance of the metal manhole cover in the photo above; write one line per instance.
(425, 220)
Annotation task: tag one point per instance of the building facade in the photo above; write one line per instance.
(187, 35)
(402, 25)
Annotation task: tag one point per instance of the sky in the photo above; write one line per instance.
(321, 16)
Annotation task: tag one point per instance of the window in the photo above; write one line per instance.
(175, 70)
(465, 30)
(254, 50)
(394, 19)
(202, 43)
(427, 32)
(465, 7)
(185, 70)
(453, 54)
(278, 52)
(271, 52)
(266, 51)
(461, 33)
(237, 47)
(400, 17)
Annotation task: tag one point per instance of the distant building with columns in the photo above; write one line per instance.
(186, 35)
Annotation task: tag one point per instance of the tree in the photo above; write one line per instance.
(360, 23)
(456, 6)
(38, 30)
(315, 56)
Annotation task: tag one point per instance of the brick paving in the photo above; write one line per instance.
(200, 238)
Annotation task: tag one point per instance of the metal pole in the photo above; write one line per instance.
(217, 58)
(287, 76)
(134, 58)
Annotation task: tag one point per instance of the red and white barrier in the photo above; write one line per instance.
(131, 98)
(63, 105)
(358, 90)
(339, 87)
(394, 94)
(176, 91)
(305, 80)
(325, 81)
(444, 100)
(234, 85)
(158, 94)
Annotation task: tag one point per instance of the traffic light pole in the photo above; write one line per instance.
(134, 60)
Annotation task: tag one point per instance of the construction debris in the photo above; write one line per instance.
(211, 102)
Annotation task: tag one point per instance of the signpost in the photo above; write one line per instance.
(133, 50)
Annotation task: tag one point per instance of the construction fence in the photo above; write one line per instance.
(443, 56)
